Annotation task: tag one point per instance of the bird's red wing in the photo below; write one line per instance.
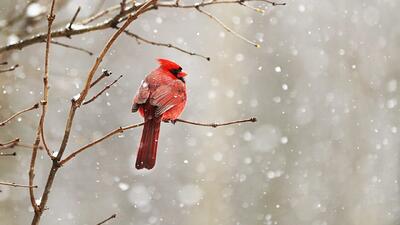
(166, 97)
(141, 96)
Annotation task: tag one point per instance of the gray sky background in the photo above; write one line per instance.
(323, 86)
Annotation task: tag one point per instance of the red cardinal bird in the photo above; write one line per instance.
(161, 97)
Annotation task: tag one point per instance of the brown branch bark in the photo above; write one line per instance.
(226, 27)
(108, 219)
(40, 129)
(75, 104)
(107, 47)
(35, 106)
(116, 131)
(72, 47)
(215, 125)
(122, 129)
(44, 102)
(16, 143)
(12, 68)
(8, 154)
(17, 185)
(111, 22)
(10, 144)
(74, 18)
(101, 92)
(139, 38)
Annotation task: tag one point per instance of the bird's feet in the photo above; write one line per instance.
(170, 121)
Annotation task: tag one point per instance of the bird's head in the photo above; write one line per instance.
(172, 67)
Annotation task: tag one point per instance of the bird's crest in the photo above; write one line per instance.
(168, 65)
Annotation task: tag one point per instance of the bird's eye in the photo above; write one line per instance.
(176, 71)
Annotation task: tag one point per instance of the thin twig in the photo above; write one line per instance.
(274, 3)
(74, 18)
(107, 47)
(104, 74)
(10, 144)
(8, 154)
(215, 125)
(44, 102)
(108, 219)
(17, 185)
(40, 130)
(35, 106)
(139, 38)
(252, 8)
(116, 131)
(122, 129)
(123, 5)
(22, 145)
(17, 143)
(101, 92)
(227, 28)
(12, 68)
(72, 47)
(19, 16)
(75, 103)
(111, 22)
(99, 14)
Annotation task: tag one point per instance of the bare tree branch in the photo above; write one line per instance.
(8, 154)
(9, 144)
(15, 140)
(122, 14)
(104, 74)
(74, 18)
(101, 92)
(12, 68)
(72, 47)
(17, 185)
(44, 102)
(139, 38)
(122, 129)
(75, 104)
(111, 22)
(35, 106)
(116, 131)
(123, 5)
(215, 125)
(19, 16)
(40, 129)
(108, 219)
(252, 8)
(107, 47)
(227, 28)
(99, 15)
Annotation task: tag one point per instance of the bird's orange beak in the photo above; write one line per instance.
(182, 74)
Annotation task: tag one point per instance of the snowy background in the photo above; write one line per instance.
(323, 85)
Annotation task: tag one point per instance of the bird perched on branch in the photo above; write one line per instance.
(161, 97)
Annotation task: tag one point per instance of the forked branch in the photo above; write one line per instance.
(139, 38)
(108, 219)
(102, 91)
(116, 19)
(12, 68)
(35, 106)
(122, 129)
(17, 185)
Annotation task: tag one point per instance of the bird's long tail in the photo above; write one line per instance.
(146, 156)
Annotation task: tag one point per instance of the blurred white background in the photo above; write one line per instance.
(323, 86)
